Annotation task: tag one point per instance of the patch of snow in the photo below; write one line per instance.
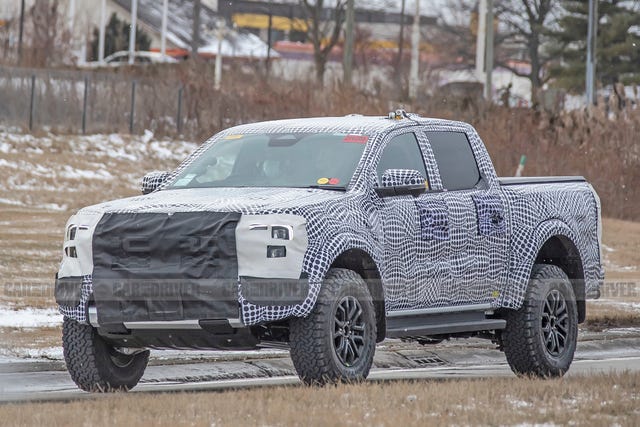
(607, 248)
(536, 425)
(35, 150)
(29, 317)
(22, 354)
(50, 353)
(160, 151)
(114, 139)
(71, 173)
(8, 164)
(148, 136)
(11, 202)
(623, 331)
(214, 354)
(53, 207)
(631, 306)
(5, 148)
(520, 403)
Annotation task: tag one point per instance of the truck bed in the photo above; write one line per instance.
(539, 180)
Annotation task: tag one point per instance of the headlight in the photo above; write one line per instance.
(282, 232)
(276, 251)
(71, 232)
(271, 245)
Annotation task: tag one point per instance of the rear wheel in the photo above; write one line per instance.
(540, 338)
(336, 342)
(97, 366)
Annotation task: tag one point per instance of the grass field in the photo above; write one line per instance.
(599, 400)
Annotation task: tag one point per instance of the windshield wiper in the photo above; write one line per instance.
(324, 187)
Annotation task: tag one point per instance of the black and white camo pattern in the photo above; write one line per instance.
(153, 180)
(440, 249)
(394, 177)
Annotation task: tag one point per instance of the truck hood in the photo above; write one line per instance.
(242, 200)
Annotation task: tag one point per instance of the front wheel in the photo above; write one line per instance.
(540, 338)
(336, 341)
(97, 366)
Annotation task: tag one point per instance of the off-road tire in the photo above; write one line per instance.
(313, 338)
(95, 365)
(549, 310)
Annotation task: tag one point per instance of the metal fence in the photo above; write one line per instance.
(72, 101)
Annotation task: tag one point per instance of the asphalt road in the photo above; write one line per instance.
(49, 381)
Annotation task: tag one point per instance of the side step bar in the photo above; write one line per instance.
(413, 325)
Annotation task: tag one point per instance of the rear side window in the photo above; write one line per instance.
(402, 152)
(456, 162)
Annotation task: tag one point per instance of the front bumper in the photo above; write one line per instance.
(184, 266)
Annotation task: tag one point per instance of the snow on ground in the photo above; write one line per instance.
(56, 353)
(624, 305)
(29, 318)
(71, 162)
(20, 354)
(609, 265)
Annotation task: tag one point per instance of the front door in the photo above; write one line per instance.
(415, 233)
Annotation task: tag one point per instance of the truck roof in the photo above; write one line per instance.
(353, 123)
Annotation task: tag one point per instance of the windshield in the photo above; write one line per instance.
(276, 160)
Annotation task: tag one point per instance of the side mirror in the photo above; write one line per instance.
(402, 182)
(153, 180)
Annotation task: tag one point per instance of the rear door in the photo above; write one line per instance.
(478, 221)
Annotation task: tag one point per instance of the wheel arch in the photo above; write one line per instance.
(561, 251)
(361, 262)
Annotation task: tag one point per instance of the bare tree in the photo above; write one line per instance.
(47, 40)
(456, 32)
(323, 30)
(528, 24)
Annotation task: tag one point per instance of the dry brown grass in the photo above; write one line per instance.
(603, 315)
(24, 339)
(605, 399)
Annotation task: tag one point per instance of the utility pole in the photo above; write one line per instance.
(592, 32)
(488, 61)
(195, 38)
(72, 15)
(399, 63)
(415, 54)
(269, 41)
(132, 31)
(347, 62)
(481, 39)
(21, 31)
(163, 34)
(401, 38)
(217, 80)
(103, 12)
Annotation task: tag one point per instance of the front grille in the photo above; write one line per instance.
(158, 266)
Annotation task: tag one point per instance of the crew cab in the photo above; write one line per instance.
(326, 236)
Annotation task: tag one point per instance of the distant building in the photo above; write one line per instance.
(246, 19)
(288, 20)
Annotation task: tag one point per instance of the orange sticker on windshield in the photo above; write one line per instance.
(233, 136)
(358, 139)
(323, 181)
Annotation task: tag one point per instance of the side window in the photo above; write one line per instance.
(402, 152)
(456, 162)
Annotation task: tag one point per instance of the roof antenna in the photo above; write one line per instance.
(399, 114)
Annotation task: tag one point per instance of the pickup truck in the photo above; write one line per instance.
(326, 236)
